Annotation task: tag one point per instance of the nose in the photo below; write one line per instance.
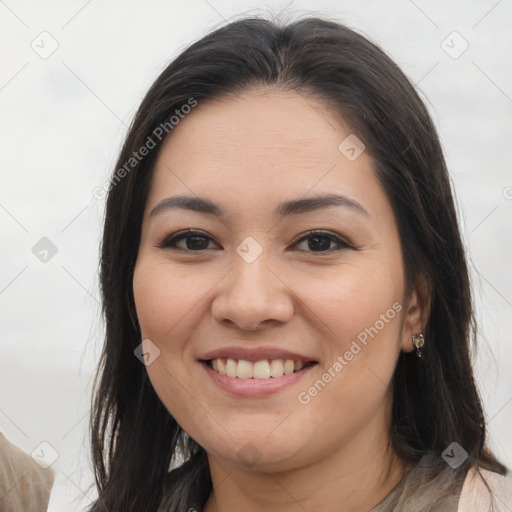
(252, 295)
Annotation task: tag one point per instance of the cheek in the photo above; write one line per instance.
(360, 312)
(355, 300)
(166, 300)
(169, 304)
(363, 317)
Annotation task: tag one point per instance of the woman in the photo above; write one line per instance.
(285, 290)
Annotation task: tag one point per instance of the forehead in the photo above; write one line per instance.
(264, 122)
(260, 148)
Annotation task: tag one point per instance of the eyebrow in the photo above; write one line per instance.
(285, 209)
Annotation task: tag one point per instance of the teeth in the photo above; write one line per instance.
(221, 364)
(289, 366)
(231, 368)
(259, 370)
(276, 367)
(244, 370)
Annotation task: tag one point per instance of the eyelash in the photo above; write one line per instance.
(170, 241)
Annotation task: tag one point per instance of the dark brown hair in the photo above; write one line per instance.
(134, 438)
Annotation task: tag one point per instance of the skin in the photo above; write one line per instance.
(249, 153)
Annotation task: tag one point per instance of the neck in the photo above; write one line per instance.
(358, 476)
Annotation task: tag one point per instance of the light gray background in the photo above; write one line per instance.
(62, 122)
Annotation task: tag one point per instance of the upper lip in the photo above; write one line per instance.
(254, 354)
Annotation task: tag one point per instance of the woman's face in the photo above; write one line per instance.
(228, 306)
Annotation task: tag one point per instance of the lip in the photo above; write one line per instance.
(255, 354)
(254, 388)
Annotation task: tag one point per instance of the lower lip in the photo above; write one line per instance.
(255, 387)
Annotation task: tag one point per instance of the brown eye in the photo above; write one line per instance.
(194, 241)
(320, 241)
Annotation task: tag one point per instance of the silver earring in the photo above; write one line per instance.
(418, 341)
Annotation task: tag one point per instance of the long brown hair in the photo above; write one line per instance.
(134, 438)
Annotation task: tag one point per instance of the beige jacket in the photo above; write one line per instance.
(24, 485)
(475, 496)
(426, 489)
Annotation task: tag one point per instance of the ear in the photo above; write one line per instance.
(417, 312)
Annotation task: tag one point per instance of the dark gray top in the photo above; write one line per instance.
(420, 490)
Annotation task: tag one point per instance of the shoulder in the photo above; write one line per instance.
(24, 485)
(476, 496)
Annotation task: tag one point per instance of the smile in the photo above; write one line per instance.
(264, 369)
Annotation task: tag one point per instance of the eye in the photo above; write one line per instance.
(320, 241)
(195, 241)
